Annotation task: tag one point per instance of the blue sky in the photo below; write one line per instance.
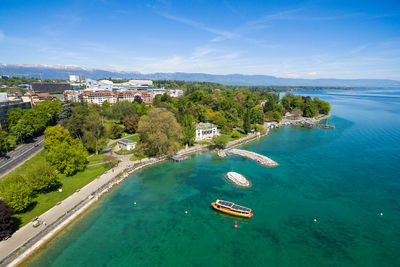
(309, 39)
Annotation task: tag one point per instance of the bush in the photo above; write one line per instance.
(273, 116)
(220, 141)
(124, 152)
(260, 128)
(235, 134)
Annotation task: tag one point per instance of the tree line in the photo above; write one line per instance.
(209, 86)
(14, 81)
(24, 124)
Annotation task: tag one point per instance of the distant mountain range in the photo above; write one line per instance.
(62, 72)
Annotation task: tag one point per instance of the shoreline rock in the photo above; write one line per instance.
(263, 160)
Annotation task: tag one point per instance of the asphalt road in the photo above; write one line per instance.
(20, 154)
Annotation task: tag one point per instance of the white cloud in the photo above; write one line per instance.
(312, 73)
(197, 25)
(358, 49)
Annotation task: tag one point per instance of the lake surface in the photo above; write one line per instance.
(344, 178)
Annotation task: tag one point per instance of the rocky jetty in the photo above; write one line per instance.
(221, 153)
(238, 179)
(263, 160)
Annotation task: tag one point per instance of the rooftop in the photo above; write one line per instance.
(205, 125)
(125, 141)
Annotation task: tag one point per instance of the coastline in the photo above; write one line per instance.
(23, 253)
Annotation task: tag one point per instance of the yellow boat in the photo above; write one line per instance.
(232, 208)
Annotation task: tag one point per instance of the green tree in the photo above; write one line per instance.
(116, 131)
(76, 123)
(235, 134)
(68, 157)
(261, 129)
(277, 116)
(122, 109)
(309, 108)
(94, 128)
(16, 192)
(323, 107)
(110, 161)
(22, 130)
(159, 132)
(247, 122)
(50, 110)
(42, 177)
(55, 135)
(13, 116)
(256, 115)
(4, 141)
(65, 113)
(188, 130)
(220, 141)
(6, 222)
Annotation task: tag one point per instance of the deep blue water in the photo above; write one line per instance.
(343, 177)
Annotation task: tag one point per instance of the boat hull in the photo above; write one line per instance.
(231, 212)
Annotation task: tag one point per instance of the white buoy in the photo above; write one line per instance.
(134, 203)
(315, 220)
(381, 214)
(185, 211)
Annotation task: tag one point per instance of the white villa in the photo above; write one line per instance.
(126, 144)
(205, 131)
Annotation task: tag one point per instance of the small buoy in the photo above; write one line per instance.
(134, 203)
(315, 220)
(185, 211)
(381, 214)
(235, 224)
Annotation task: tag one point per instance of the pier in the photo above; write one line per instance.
(263, 160)
(238, 179)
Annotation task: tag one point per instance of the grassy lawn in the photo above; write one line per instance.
(96, 159)
(137, 157)
(45, 201)
(241, 134)
(124, 134)
(203, 142)
(21, 170)
(134, 138)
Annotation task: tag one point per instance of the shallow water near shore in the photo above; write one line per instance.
(344, 178)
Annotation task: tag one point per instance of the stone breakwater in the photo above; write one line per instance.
(238, 179)
(263, 160)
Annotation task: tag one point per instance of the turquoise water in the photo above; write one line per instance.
(343, 177)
